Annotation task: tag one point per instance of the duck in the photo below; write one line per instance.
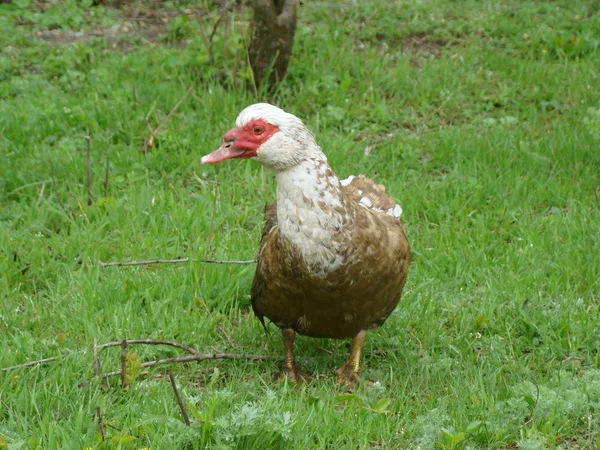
(333, 257)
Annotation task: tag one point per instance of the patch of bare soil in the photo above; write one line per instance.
(420, 44)
(423, 44)
(146, 22)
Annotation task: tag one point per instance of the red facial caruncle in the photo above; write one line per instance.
(242, 142)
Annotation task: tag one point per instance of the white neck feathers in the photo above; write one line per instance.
(311, 213)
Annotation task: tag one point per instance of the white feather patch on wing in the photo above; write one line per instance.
(367, 202)
(347, 181)
(395, 212)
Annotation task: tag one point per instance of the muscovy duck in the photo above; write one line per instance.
(333, 258)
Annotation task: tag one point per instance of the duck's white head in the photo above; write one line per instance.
(269, 135)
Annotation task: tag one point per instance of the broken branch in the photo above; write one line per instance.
(150, 342)
(100, 422)
(173, 261)
(34, 363)
(179, 401)
(123, 370)
(190, 358)
(227, 336)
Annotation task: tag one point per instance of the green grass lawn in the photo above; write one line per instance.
(482, 118)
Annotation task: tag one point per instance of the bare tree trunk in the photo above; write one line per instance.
(273, 29)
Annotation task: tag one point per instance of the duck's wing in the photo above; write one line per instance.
(259, 282)
(371, 196)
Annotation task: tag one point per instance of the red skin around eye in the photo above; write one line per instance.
(242, 142)
(249, 140)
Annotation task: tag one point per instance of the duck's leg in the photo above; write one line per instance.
(349, 372)
(290, 370)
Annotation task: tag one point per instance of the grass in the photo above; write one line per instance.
(482, 118)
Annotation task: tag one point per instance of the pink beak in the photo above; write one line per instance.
(225, 151)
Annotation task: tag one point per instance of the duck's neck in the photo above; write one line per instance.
(312, 214)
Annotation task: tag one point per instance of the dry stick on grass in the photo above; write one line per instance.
(113, 427)
(191, 358)
(88, 169)
(98, 366)
(39, 362)
(179, 401)
(194, 356)
(173, 261)
(150, 142)
(150, 342)
(227, 336)
(100, 422)
(329, 352)
(123, 370)
(410, 332)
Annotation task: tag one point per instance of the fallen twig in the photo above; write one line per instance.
(179, 401)
(173, 261)
(113, 427)
(34, 363)
(193, 356)
(227, 336)
(329, 352)
(123, 370)
(100, 422)
(410, 332)
(98, 366)
(190, 358)
(149, 342)
(150, 142)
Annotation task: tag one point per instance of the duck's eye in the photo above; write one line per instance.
(258, 130)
